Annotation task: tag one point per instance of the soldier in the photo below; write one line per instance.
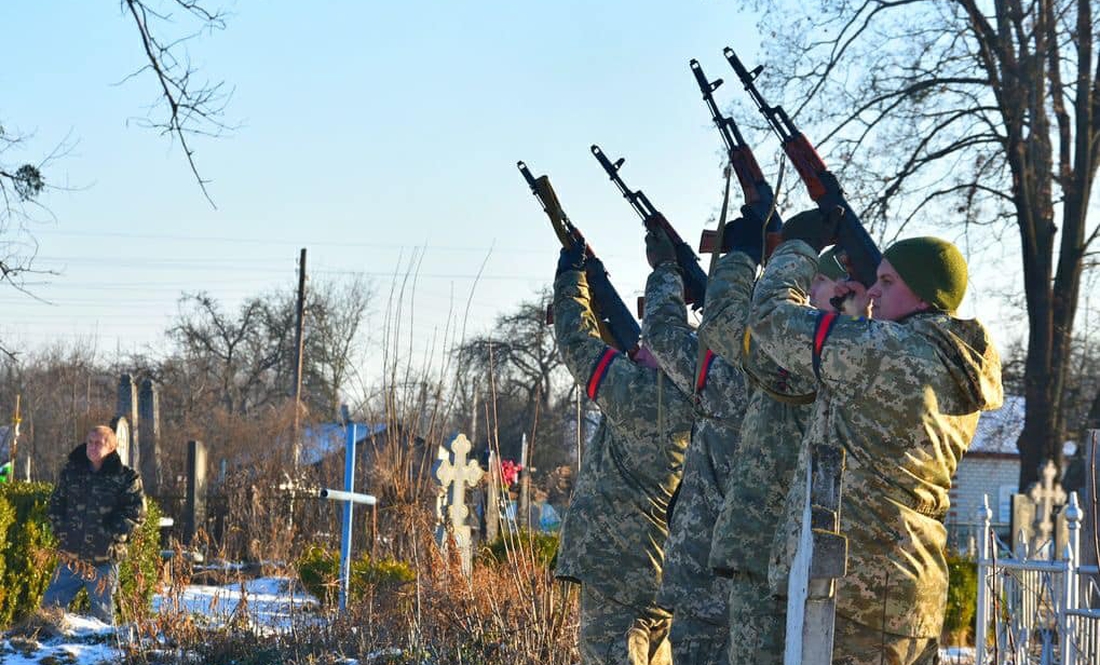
(761, 472)
(698, 596)
(95, 507)
(901, 394)
(613, 535)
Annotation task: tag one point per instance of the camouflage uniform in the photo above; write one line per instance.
(902, 399)
(698, 598)
(92, 514)
(614, 531)
(772, 428)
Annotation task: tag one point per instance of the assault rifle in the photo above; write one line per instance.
(863, 256)
(695, 280)
(759, 198)
(618, 327)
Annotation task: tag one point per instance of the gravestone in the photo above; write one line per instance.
(821, 559)
(149, 436)
(1090, 584)
(523, 510)
(454, 472)
(127, 407)
(195, 511)
(1036, 518)
(124, 436)
(492, 499)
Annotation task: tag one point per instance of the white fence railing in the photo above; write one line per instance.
(1030, 606)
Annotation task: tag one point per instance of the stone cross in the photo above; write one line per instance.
(1046, 494)
(455, 472)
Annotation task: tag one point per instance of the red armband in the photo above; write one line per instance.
(599, 372)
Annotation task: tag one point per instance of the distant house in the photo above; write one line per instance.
(990, 467)
(324, 440)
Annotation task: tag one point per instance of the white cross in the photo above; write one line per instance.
(453, 471)
(1046, 495)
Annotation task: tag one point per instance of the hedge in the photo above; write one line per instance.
(319, 571)
(962, 599)
(543, 545)
(28, 556)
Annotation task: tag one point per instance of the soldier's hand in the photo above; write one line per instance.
(814, 228)
(745, 235)
(571, 258)
(850, 298)
(658, 247)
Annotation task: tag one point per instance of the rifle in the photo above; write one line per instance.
(617, 325)
(759, 197)
(863, 256)
(695, 280)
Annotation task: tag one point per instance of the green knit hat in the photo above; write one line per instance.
(933, 269)
(828, 264)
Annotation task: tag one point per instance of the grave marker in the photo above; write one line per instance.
(455, 472)
(127, 407)
(195, 510)
(149, 436)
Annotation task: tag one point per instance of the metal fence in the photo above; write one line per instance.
(1030, 608)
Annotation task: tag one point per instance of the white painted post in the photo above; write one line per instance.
(1073, 562)
(985, 516)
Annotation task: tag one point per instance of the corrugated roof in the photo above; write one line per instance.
(998, 430)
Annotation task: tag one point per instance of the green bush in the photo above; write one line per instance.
(28, 550)
(962, 599)
(28, 557)
(7, 518)
(543, 545)
(319, 572)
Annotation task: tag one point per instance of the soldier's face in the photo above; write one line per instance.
(891, 298)
(821, 290)
(98, 448)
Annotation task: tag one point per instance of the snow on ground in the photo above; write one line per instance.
(267, 602)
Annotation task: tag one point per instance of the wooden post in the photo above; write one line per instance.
(820, 560)
(299, 342)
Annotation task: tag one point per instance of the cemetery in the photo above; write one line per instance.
(293, 373)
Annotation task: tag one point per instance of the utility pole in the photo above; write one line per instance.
(299, 343)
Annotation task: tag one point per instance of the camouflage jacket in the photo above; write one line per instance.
(902, 399)
(773, 425)
(614, 531)
(94, 513)
(689, 585)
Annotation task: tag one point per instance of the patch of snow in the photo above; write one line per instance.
(267, 600)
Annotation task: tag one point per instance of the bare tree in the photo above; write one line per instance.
(984, 114)
(185, 107)
(235, 351)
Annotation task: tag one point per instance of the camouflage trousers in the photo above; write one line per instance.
(617, 634)
(698, 642)
(856, 644)
(758, 622)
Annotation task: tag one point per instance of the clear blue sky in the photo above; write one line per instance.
(368, 129)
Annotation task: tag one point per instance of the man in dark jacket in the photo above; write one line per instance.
(97, 504)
